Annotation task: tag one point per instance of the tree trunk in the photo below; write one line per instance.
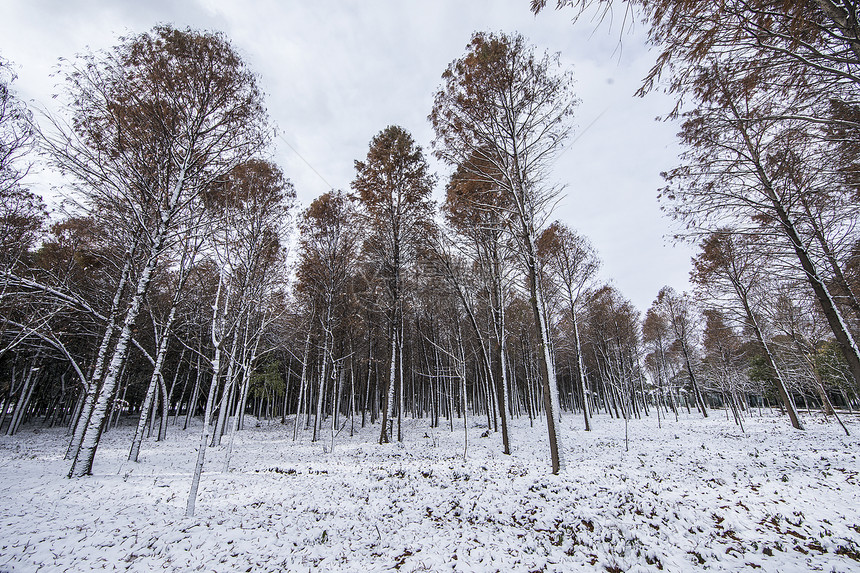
(195, 393)
(83, 462)
(550, 387)
(204, 434)
(163, 344)
(302, 385)
(780, 383)
(322, 384)
(227, 394)
(91, 389)
(23, 399)
(580, 367)
(388, 411)
(697, 393)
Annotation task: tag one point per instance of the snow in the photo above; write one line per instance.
(694, 495)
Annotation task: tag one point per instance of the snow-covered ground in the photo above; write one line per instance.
(692, 495)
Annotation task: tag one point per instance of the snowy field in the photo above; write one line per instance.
(693, 495)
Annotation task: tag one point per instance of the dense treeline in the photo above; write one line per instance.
(164, 293)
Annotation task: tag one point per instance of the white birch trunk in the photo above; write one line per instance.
(23, 397)
(204, 435)
(322, 382)
(217, 342)
(91, 389)
(195, 393)
(586, 405)
(402, 409)
(302, 385)
(83, 462)
(134, 453)
(387, 421)
(550, 385)
(227, 394)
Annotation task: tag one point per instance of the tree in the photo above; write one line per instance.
(327, 256)
(678, 311)
(801, 332)
(729, 265)
(655, 332)
(16, 132)
(22, 213)
(393, 186)
(816, 40)
(22, 217)
(504, 113)
(163, 334)
(610, 338)
(250, 207)
(155, 121)
(758, 175)
(474, 209)
(249, 211)
(572, 262)
(772, 137)
(724, 362)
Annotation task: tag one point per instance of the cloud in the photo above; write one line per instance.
(337, 72)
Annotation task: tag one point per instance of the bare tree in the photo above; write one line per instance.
(155, 121)
(679, 313)
(728, 264)
(473, 208)
(509, 109)
(757, 174)
(393, 186)
(572, 262)
(328, 254)
(772, 138)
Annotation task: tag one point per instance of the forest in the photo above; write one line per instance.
(183, 305)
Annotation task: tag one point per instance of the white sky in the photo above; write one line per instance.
(337, 72)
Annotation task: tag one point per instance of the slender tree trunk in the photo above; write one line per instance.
(145, 409)
(161, 355)
(545, 361)
(323, 375)
(388, 411)
(286, 391)
(204, 434)
(23, 399)
(700, 401)
(229, 388)
(400, 382)
(335, 409)
(500, 377)
(217, 342)
(181, 400)
(168, 398)
(192, 403)
(580, 367)
(367, 380)
(240, 408)
(461, 375)
(152, 414)
(302, 384)
(781, 386)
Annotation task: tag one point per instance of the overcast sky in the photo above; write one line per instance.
(337, 72)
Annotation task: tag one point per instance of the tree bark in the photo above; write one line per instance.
(83, 462)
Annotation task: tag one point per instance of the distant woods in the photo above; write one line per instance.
(166, 291)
